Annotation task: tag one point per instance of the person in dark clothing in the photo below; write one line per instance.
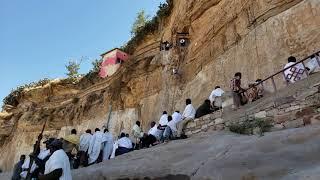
(18, 168)
(204, 109)
(151, 137)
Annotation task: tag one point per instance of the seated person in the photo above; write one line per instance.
(124, 145)
(163, 120)
(313, 64)
(252, 93)
(260, 88)
(152, 136)
(204, 109)
(171, 130)
(294, 72)
(216, 98)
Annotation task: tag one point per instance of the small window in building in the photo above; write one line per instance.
(119, 61)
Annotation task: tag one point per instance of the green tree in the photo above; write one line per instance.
(96, 64)
(140, 22)
(73, 68)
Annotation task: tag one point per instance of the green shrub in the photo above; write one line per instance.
(149, 27)
(247, 126)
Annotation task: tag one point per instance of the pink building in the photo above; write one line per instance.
(111, 61)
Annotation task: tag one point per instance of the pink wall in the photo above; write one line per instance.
(110, 59)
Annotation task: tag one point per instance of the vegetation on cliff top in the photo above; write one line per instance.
(140, 30)
(149, 27)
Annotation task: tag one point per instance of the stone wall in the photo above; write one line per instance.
(291, 111)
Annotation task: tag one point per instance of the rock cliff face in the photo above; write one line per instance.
(226, 36)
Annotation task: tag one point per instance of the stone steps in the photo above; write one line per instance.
(291, 107)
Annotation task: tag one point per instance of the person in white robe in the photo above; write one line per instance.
(58, 165)
(96, 147)
(187, 116)
(313, 64)
(294, 73)
(108, 145)
(216, 97)
(177, 117)
(38, 162)
(163, 119)
(171, 130)
(137, 134)
(85, 140)
(124, 145)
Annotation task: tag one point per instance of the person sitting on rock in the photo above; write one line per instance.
(177, 117)
(260, 88)
(216, 98)
(252, 93)
(171, 130)
(124, 145)
(187, 116)
(58, 165)
(204, 109)
(294, 72)
(152, 136)
(163, 120)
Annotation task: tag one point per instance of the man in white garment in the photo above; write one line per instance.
(152, 136)
(39, 162)
(216, 97)
(58, 165)
(314, 63)
(187, 116)
(171, 130)
(295, 72)
(108, 145)
(96, 146)
(177, 117)
(85, 140)
(163, 119)
(137, 134)
(124, 145)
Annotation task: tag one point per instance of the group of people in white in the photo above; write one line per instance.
(58, 156)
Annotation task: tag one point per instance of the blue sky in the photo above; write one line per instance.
(38, 37)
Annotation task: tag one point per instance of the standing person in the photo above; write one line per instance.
(137, 133)
(236, 90)
(18, 168)
(187, 116)
(108, 145)
(85, 140)
(38, 165)
(58, 165)
(204, 109)
(295, 72)
(216, 98)
(95, 150)
(124, 145)
(69, 144)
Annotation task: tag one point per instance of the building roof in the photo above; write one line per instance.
(111, 51)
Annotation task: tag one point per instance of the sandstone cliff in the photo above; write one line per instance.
(251, 36)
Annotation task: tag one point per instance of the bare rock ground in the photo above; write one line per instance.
(286, 155)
